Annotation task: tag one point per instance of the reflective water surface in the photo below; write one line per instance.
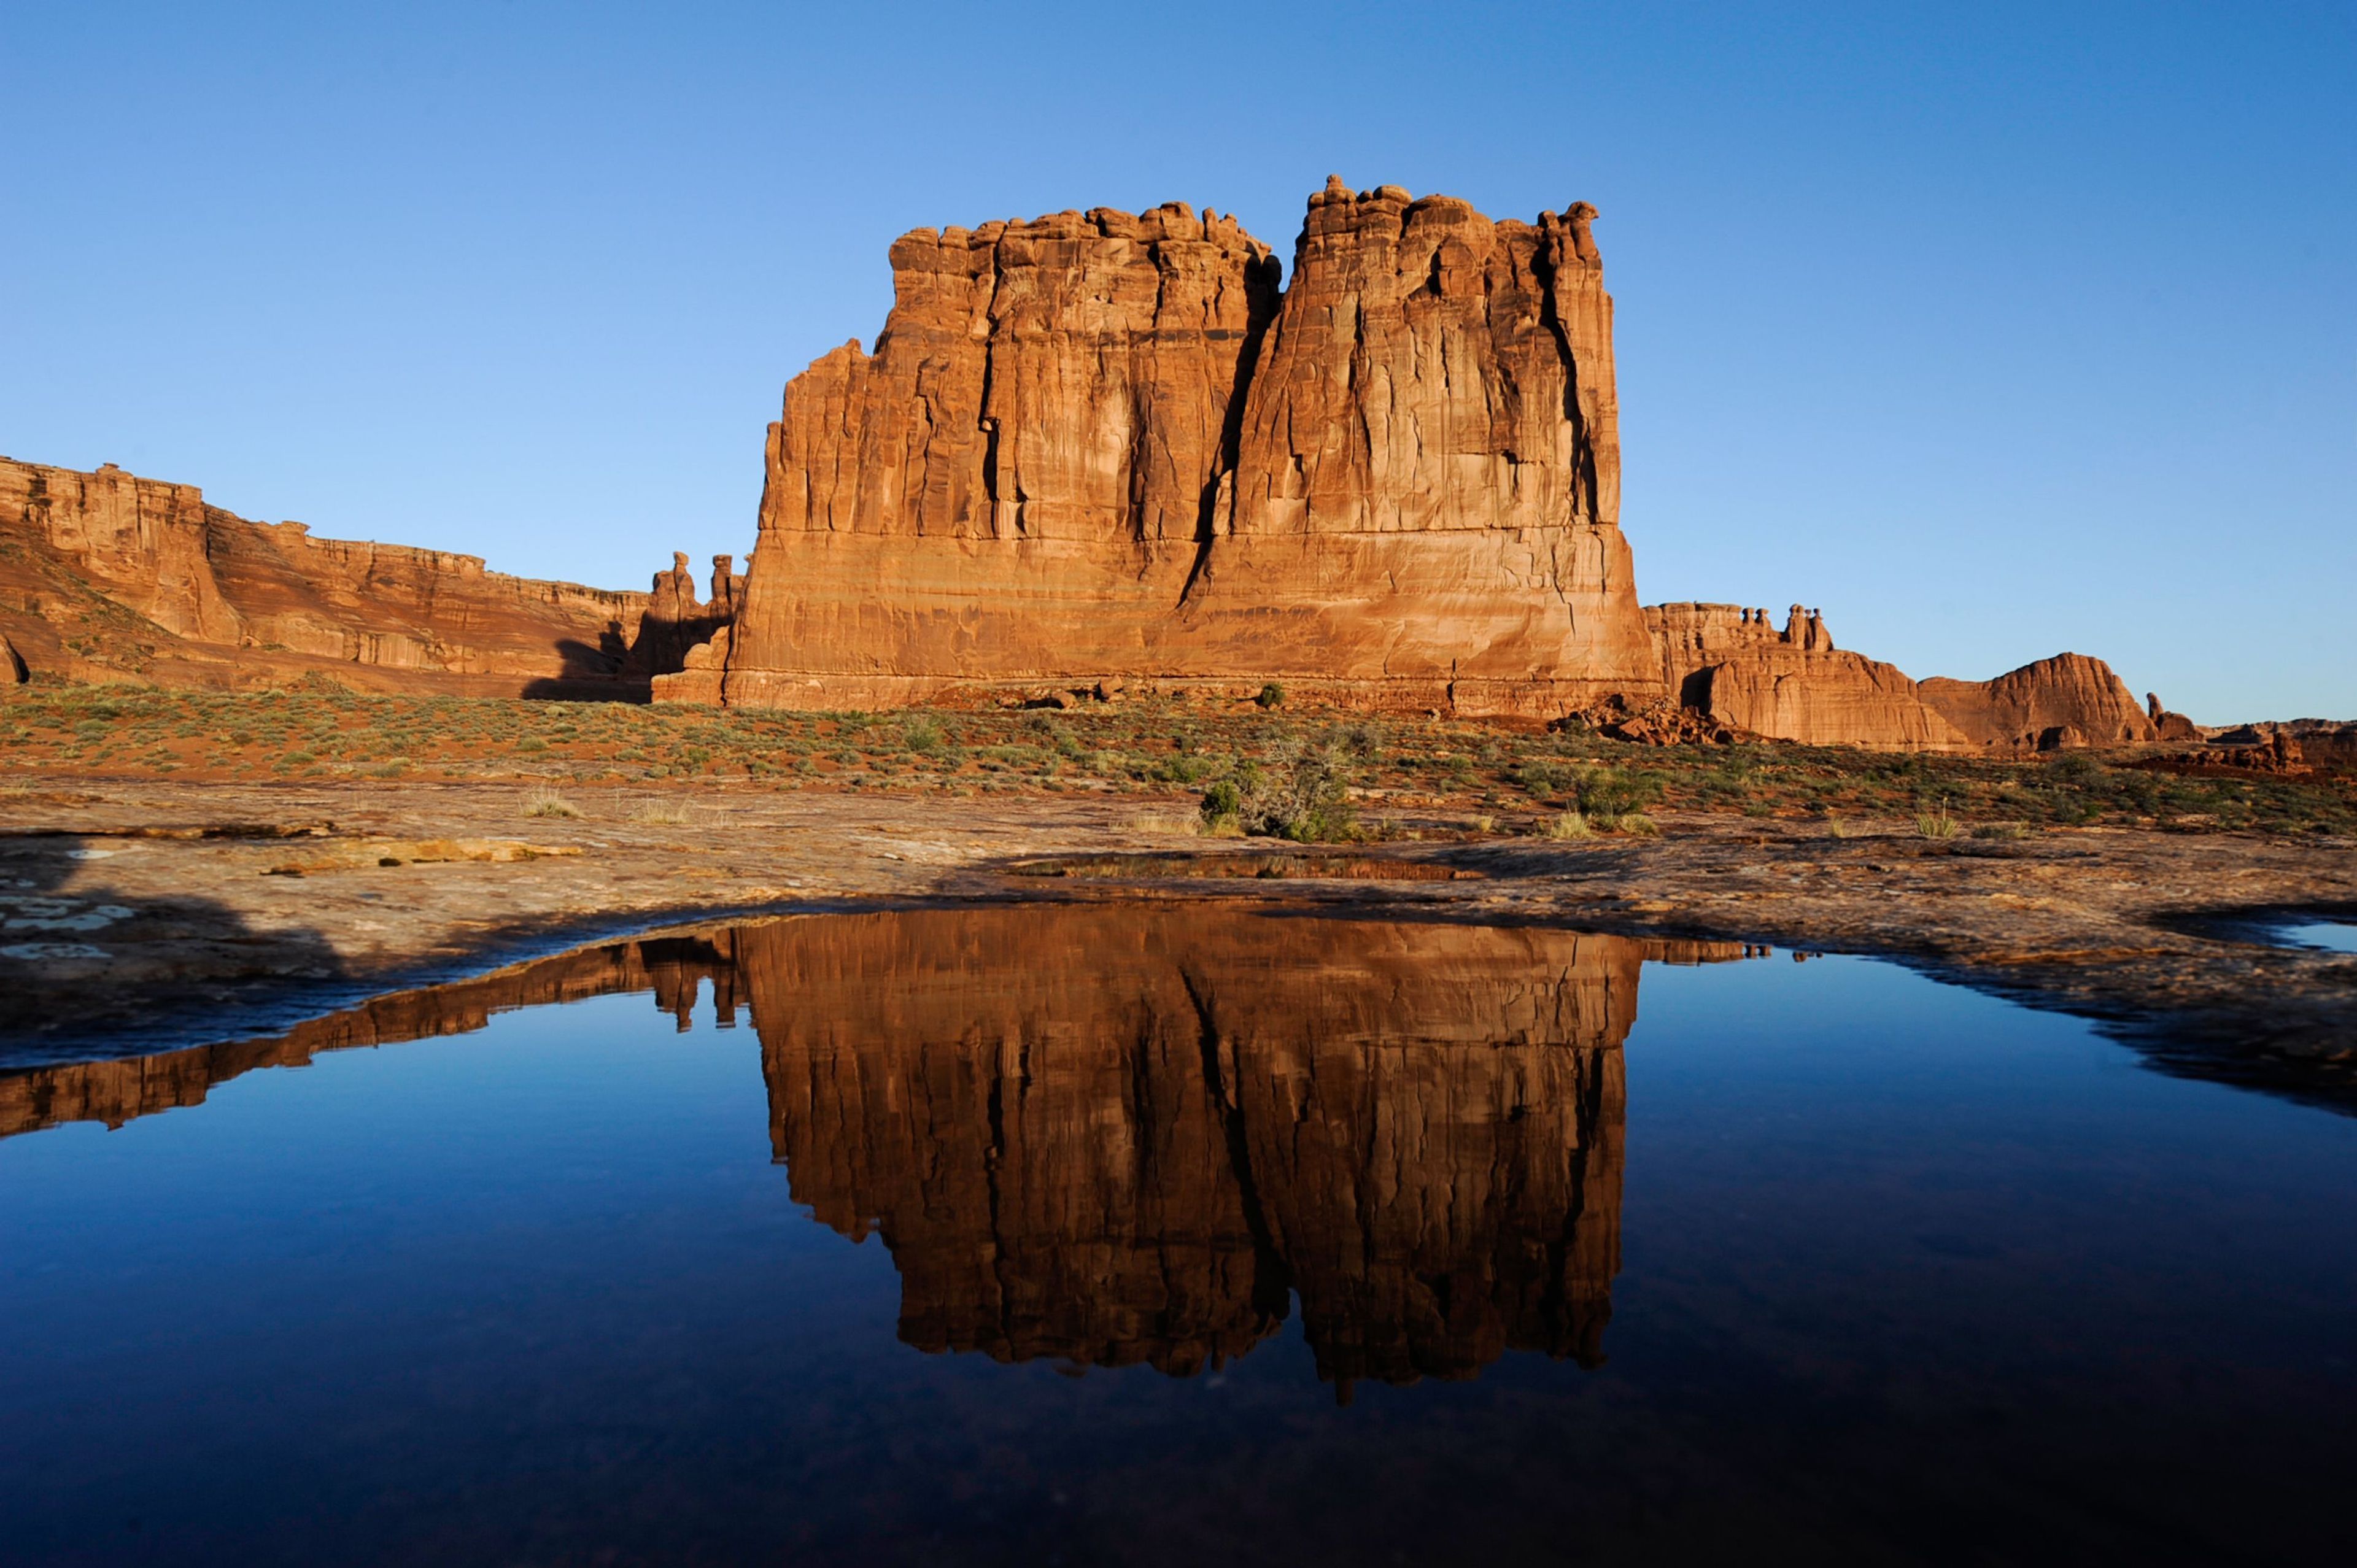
(2332, 936)
(1172, 1233)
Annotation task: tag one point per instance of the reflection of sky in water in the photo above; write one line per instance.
(1904, 1269)
(2332, 936)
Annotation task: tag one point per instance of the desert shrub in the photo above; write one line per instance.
(1605, 795)
(1566, 825)
(2074, 771)
(1935, 825)
(923, 735)
(1270, 696)
(1638, 823)
(549, 803)
(1302, 796)
(1542, 779)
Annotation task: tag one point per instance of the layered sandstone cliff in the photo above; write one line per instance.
(108, 576)
(1101, 446)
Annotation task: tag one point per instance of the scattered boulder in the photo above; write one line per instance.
(1652, 721)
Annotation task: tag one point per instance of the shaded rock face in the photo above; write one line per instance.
(2066, 701)
(1737, 669)
(1099, 446)
(674, 648)
(1134, 1133)
(108, 576)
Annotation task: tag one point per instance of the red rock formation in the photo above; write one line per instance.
(1736, 668)
(674, 625)
(2325, 743)
(106, 576)
(2067, 700)
(1073, 458)
(1739, 671)
(2167, 725)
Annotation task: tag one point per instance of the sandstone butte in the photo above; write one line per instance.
(1093, 451)
(108, 578)
(1103, 447)
(1101, 450)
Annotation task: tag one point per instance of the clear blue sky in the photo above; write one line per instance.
(1993, 330)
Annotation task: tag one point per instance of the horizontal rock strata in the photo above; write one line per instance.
(1104, 447)
(106, 576)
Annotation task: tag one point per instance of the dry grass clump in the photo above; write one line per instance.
(1935, 825)
(1571, 824)
(1639, 825)
(1162, 824)
(549, 803)
(664, 814)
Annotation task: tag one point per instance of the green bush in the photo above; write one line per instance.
(1270, 696)
(1304, 796)
(1605, 795)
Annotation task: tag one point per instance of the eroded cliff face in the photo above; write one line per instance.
(1099, 446)
(108, 576)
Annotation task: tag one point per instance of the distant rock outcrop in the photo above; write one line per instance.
(1102, 448)
(1737, 669)
(1734, 667)
(106, 576)
(2070, 700)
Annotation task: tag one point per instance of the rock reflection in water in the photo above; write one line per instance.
(1134, 1133)
(1112, 1135)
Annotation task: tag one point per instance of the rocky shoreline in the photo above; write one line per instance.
(144, 916)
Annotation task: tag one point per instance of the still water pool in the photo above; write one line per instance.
(1183, 1233)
